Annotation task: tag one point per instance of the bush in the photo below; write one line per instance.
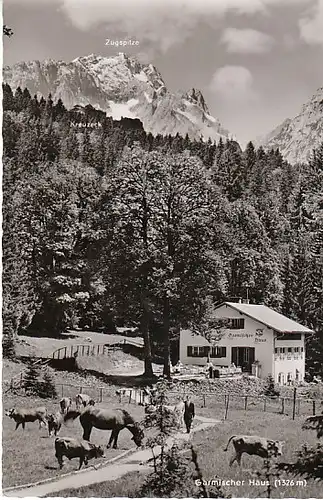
(270, 389)
(174, 475)
(8, 347)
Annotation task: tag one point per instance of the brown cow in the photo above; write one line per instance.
(254, 445)
(23, 415)
(76, 448)
(55, 422)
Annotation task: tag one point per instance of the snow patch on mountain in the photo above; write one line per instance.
(121, 86)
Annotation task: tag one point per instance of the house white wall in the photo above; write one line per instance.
(254, 334)
(288, 362)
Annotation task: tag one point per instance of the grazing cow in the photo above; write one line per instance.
(23, 415)
(76, 448)
(55, 422)
(189, 414)
(254, 445)
(65, 404)
(83, 400)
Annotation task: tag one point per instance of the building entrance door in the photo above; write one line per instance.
(244, 357)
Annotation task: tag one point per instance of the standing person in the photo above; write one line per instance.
(189, 414)
(210, 368)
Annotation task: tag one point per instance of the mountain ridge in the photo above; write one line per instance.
(121, 86)
(297, 137)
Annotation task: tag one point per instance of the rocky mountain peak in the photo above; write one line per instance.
(122, 86)
(297, 137)
(196, 97)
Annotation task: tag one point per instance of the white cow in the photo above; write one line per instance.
(83, 400)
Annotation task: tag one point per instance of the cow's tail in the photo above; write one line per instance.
(226, 449)
(71, 415)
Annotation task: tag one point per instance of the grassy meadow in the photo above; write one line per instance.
(29, 456)
(214, 462)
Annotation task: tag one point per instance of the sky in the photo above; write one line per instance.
(255, 61)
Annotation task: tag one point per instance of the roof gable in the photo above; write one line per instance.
(268, 317)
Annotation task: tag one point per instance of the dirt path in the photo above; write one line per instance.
(136, 461)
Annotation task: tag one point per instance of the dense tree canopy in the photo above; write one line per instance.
(104, 224)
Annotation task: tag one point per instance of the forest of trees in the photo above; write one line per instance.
(104, 224)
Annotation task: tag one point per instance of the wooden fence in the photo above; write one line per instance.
(91, 349)
(221, 404)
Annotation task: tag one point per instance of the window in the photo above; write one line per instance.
(237, 324)
(297, 374)
(289, 349)
(276, 350)
(280, 378)
(289, 377)
(302, 349)
(197, 351)
(282, 350)
(218, 352)
(289, 336)
(296, 349)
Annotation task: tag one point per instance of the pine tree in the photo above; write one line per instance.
(31, 378)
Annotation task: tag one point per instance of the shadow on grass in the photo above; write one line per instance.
(49, 335)
(122, 380)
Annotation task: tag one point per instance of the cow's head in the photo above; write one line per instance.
(275, 448)
(10, 413)
(138, 435)
(51, 423)
(99, 452)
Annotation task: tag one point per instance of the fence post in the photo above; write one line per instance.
(314, 407)
(294, 403)
(81, 389)
(62, 390)
(298, 406)
(130, 394)
(283, 406)
(101, 395)
(265, 402)
(204, 401)
(227, 406)
(245, 402)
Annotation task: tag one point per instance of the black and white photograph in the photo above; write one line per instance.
(162, 249)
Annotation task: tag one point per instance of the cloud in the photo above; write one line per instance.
(161, 23)
(311, 26)
(234, 83)
(246, 41)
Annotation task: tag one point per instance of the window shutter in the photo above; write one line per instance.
(189, 351)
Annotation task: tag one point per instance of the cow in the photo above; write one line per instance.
(76, 448)
(254, 445)
(55, 422)
(83, 400)
(65, 404)
(189, 414)
(23, 415)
